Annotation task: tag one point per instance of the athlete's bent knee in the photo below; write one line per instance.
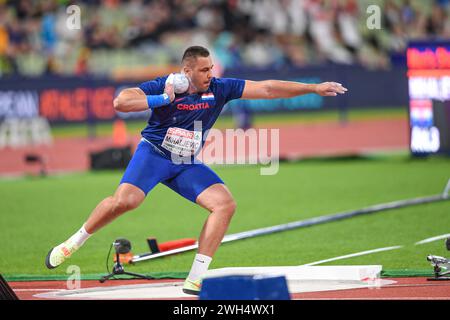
(228, 207)
(122, 204)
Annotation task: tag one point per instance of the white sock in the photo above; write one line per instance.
(199, 267)
(80, 237)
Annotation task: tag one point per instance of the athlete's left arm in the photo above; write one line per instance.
(272, 89)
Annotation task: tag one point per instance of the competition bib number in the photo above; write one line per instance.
(182, 142)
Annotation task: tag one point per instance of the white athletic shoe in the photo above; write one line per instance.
(59, 254)
(192, 287)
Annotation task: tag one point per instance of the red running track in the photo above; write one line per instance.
(296, 141)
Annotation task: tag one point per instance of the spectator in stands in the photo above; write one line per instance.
(322, 15)
(49, 37)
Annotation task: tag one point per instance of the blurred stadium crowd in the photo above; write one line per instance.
(35, 40)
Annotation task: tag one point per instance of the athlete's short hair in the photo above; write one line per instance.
(194, 52)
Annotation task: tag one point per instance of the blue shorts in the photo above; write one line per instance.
(148, 167)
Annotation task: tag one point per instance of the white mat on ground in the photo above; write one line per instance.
(300, 279)
(358, 273)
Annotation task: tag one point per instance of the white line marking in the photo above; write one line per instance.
(24, 290)
(353, 255)
(443, 236)
(170, 291)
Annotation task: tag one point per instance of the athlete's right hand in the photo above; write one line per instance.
(170, 91)
(169, 88)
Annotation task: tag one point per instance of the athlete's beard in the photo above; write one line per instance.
(192, 87)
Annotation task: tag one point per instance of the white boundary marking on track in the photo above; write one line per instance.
(442, 236)
(24, 290)
(353, 255)
(169, 291)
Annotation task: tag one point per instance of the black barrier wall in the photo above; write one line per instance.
(367, 88)
(61, 99)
